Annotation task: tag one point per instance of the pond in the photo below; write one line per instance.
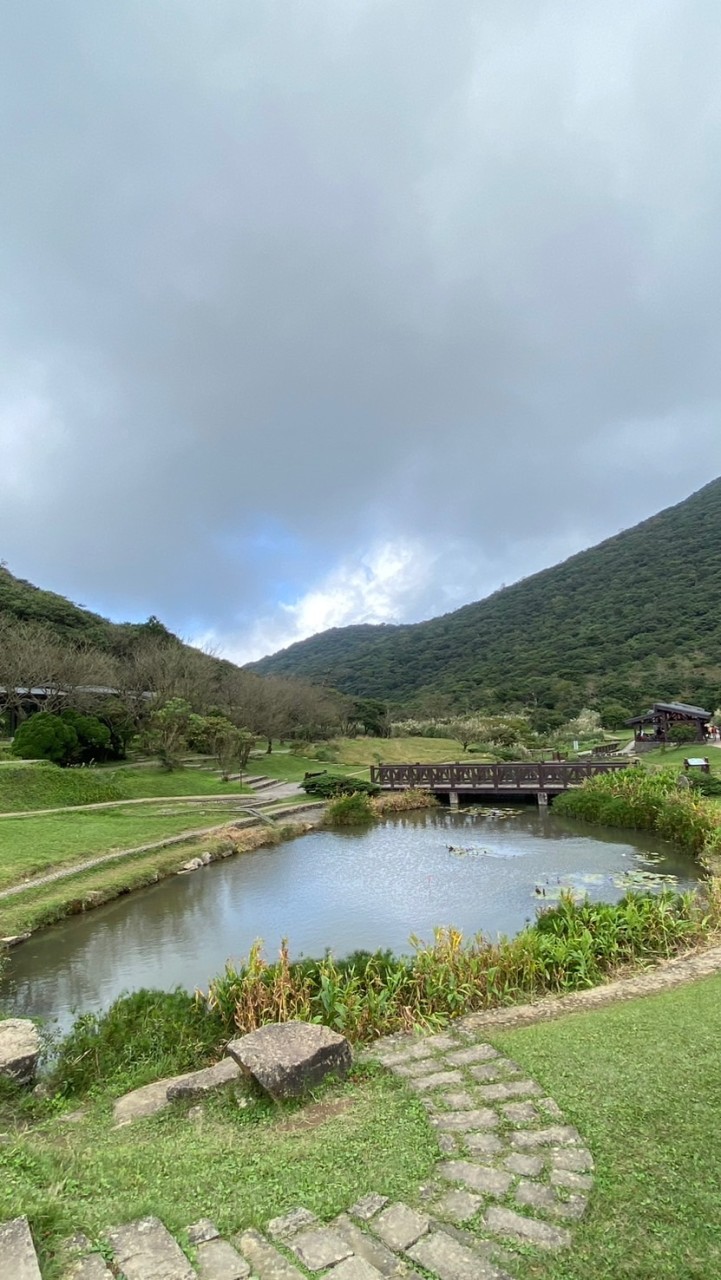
(369, 888)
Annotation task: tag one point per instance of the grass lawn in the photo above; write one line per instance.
(239, 1165)
(675, 756)
(29, 846)
(138, 783)
(642, 1081)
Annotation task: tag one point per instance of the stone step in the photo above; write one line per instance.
(145, 1250)
(91, 1267)
(18, 1258)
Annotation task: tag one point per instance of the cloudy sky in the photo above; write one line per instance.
(324, 311)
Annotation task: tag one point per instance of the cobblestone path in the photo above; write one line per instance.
(510, 1172)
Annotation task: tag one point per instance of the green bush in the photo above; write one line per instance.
(327, 785)
(68, 738)
(349, 811)
(45, 737)
(141, 1037)
(648, 801)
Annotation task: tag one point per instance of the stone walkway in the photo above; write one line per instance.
(510, 1172)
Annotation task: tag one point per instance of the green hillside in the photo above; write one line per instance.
(70, 622)
(635, 618)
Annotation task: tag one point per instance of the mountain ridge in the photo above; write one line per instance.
(634, 617)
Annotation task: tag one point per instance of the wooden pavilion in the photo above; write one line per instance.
(656, 724)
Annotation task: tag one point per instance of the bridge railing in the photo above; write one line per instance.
(548, 775)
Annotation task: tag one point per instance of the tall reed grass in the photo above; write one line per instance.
(649, 801)
(571, 946)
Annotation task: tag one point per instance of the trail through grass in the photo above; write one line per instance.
(29, 846)
(240, 1165)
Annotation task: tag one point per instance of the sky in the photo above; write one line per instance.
(314, 313)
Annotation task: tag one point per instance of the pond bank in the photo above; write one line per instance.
(347, 890)
(26, 908)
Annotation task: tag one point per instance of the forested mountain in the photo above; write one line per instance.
(635, 618)
(70, 622)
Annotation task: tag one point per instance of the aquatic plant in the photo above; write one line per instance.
(570, 946)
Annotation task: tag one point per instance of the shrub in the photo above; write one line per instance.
(349, 811)
(648, 801)
(680, 733)
(45, 737)
(140, 1037)
(327, 785)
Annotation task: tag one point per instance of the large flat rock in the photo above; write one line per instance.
(288, 1058)
(145, 1250)
(19, 1049)
(18, 1258)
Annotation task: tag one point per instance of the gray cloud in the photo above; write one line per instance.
(284, 286)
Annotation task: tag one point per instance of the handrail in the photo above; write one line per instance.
(522, 775)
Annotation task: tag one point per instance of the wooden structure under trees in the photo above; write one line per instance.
(657, 723)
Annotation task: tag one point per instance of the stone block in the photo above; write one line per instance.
(448, 1259)
(319, 1248)
(466, 1121)
(483, 1144)
(460, 1101)
(288, 1058)
(489, 1072)
(526, 1166)
(355, 1269)
(436, 1080)
(368, 1206)
(19, 1049)
(145, 1250)
(577, 1160)
(218, 1260)
(571, 1181)
(508, 1089)
(479, 1177)
(475, 1053)
(18, 1258)
(265, 1262)
(92, 1267)
(289, 1224)
(398, 1226)
(202, 1230)
(457, 1205)
(515, 1226)
(520, 1113)
(366, 1246)
(196, 1084)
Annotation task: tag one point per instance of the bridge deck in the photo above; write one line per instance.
(524, 778)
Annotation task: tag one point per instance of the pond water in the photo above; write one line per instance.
(345, 890)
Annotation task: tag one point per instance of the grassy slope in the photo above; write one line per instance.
(32, 785)
(241, 1166)
(589, 627)
(642, 1082)
(29, 846)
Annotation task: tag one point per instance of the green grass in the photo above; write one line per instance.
(33, 784)
(642, 1082)
(240, 1165)
(29, 846)
(676, 755)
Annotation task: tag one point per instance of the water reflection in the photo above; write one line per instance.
(342, 890)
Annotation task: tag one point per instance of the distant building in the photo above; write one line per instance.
(656, 724)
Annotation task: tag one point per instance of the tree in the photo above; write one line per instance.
(614, 715)
(373, 715)
(166, 735)
(681, 733)
(45, 737)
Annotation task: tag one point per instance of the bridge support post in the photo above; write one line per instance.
(543, 799)
(453, 799)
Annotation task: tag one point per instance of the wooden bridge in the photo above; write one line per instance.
(518, 779)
